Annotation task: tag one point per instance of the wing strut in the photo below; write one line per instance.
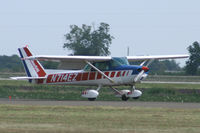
(99, 71)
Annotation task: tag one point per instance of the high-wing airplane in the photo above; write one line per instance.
(91, 71)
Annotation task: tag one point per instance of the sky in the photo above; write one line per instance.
(148, 27)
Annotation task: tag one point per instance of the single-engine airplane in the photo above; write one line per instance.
(93, 71)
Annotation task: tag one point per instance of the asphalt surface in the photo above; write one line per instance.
(102, 103)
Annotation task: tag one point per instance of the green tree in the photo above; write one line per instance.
(192, 65)
(85, 41)
(160, 67)
(10, 64)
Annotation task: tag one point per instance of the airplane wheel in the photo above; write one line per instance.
(135, 98)
(124, 98)
(91, 99)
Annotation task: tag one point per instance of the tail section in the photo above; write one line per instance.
(32, 67)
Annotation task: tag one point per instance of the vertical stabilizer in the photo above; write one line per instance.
(32, 67)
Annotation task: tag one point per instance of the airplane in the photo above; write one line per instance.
(91, 71)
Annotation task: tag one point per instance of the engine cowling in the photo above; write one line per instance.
(92, 94)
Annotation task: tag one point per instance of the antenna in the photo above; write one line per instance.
(128, 51)
(93, 25)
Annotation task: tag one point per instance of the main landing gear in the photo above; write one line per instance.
(91, 95)
(123, 94)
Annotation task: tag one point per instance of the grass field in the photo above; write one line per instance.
(62, 119)
(151, 92)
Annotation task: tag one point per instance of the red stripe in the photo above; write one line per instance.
(41, 72)
(112, 74)
(127, 73)
(92, 76)
(78, 78)
(123, 73)
(49, 78)
(106, 73)
(99, 76)
(118, 74)
(85, 76)
(28, 53)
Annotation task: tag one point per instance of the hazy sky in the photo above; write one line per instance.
(148, 27)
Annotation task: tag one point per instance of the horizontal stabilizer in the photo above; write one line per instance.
(27, 78)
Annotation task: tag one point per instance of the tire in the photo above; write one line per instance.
(124, 98)
(91, 99)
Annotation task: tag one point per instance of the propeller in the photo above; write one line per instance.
(143, 70)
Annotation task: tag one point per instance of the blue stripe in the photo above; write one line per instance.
(25, 66)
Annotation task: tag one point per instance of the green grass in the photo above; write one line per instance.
(151, 92)
(11, 74)
(51, 119)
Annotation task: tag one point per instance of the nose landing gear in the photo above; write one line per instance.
(126, 94)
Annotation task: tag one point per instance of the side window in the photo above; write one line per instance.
(114, 64)
(103, 66)
(87, 68)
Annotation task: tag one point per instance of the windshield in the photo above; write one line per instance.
(118, 61)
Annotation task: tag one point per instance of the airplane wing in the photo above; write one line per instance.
(102, 58)
(153, 57)
(71, 62)
(78, 62)
(70, 58)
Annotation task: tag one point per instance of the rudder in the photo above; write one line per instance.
(33, 68)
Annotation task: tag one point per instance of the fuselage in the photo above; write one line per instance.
(115, 71)
(123, 74)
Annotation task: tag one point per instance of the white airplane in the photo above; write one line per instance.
(93, 71)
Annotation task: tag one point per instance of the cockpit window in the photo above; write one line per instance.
(108, 65)
(87, 68)
(103, 66)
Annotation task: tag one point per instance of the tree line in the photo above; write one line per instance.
(88, 40)
(13, 64)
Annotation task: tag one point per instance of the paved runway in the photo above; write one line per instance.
(103, 103)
